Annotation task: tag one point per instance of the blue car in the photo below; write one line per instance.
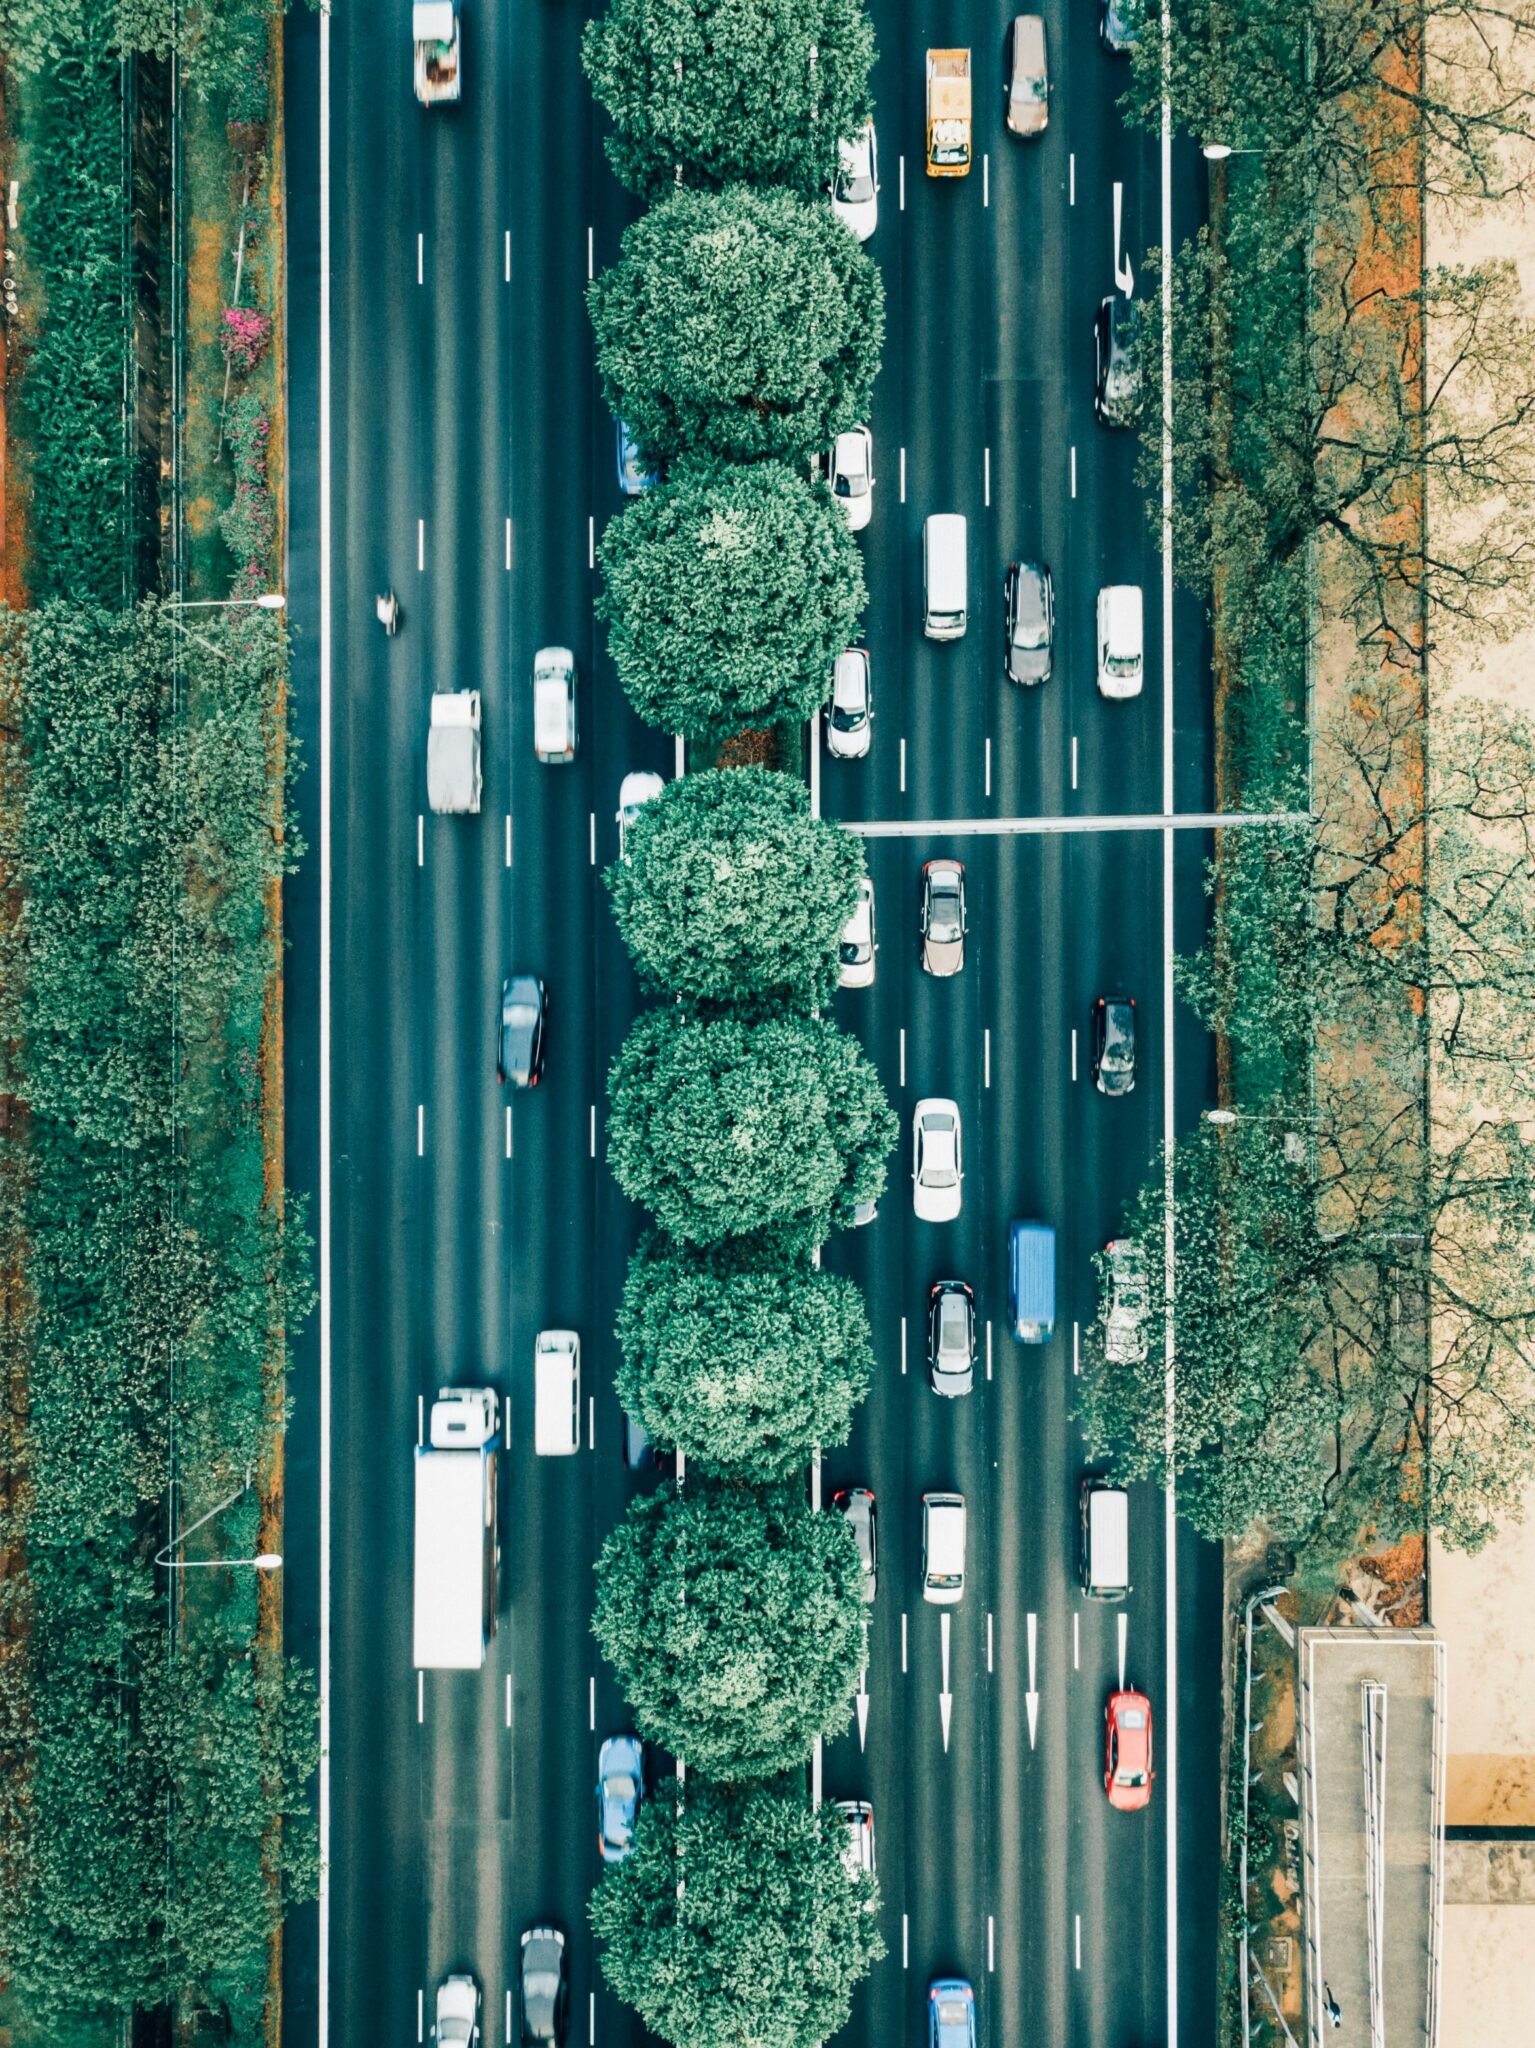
(620, 1788)
(633, 476)
(950, 2013)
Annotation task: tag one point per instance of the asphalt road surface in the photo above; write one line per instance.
(466, 461)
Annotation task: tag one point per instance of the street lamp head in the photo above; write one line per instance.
(271, 601)
(1216, 152)
(268, 1561)
(1220, 1116)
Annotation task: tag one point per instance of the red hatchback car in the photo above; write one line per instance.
(1128, 1774)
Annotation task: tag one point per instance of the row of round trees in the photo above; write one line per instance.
(738, 334)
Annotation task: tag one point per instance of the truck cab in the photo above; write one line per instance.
(434, 28)
(948, 113)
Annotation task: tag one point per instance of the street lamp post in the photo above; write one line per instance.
(1294, 1143)
(264, 1561)
(268, 601)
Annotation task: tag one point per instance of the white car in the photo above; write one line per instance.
(1121, 641)
(554, 704)
(852, 707)
(856, 969)
(638, 788)
(855, 191)
(1124, 1327)
(857, 1816)
(937, 1159)
(852, 476)
(458, 2011)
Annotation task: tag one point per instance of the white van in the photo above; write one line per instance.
(557, 1393)
(1121, 640)
(945, 576)
(1103, 1558)
(943, 1548)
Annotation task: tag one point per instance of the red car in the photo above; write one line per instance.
(1128, 1774)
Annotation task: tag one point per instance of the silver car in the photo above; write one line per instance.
(943, 917)
(1124, 1327)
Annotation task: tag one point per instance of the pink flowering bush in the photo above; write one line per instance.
(244, 337)
(249, 524)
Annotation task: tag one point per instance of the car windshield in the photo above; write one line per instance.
(855, 187)
(847, 712)
(851, 486)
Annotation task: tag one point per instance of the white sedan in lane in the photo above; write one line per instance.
(852, 476)
(937, 1159)
(855, 190)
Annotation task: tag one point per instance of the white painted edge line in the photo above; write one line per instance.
(420, 2014)
(903, 183)
(508, 2017)
(903, 476)
(903, 1369)
(420, 257)
(986, 1067)
(989, 1665)
(420, 1418)
(1076, 1642)
(903, 1055)
(591, 540)
(420, 839)
(591, 1703)
(1169, 1091)
(508, 1130)
(591, 2018)
(1078, 1919)
(506, 278)
(420, 1130)
(508, 1427)
(421, 544)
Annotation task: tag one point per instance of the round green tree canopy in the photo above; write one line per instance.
(745, 323)
(735, 1620)
(732, 891)
(722, 1126)
(733, 1919)
(729, 592)
(742, 1362)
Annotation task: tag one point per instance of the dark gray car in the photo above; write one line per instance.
(1117, 353)
(543, 1986)
(520, 1046)
(1029, 608)
(857, 1503)
(1114, 1044)
(951, 1337)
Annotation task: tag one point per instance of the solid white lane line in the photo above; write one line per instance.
(591, 540)
(903, 765)
(1073, 1054)
(989, 1665)
(420, 1130)
(1169, 1121)
(988, 764)
(506, 272)
(508, 1130)
(988, 1349)
(420, 544)
(986, 473)
(1072, 184)
(589, 255)
(420, 1695)
(1076, 1347)
(420, 258)
(903, 476)
(1076, 1642)
(420, 1418)
(508, 543)
(1073, 470)
(591, 837)
(508, 839)
(986, 1063)
(420, 839)
(1124, 1640)
(903, 1642)
(591, 1704)
(592, 1138)
(991, 1941)
(905, 1942)
(815, 767)
(903, 184)
(591, 1422)
(903, 1055)
(986, 179)
(1073, 760)
(508, 1713)
(1079, 1940)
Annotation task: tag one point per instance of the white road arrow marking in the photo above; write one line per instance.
(945, 1698)
(863, 1705)
(1031, 1697)
(1124, 276)
(1124, 1632)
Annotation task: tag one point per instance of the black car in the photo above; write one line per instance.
(543, 1986)
(1029, 606)
(951, 1337)
(524, 1016)
(1114, 1045)
(1117, 349)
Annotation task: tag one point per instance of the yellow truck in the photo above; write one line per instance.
(948, 113)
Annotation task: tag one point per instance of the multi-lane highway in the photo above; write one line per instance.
(447, 439)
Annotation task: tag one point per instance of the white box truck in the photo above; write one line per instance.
(456, 1549)
(453, 751)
